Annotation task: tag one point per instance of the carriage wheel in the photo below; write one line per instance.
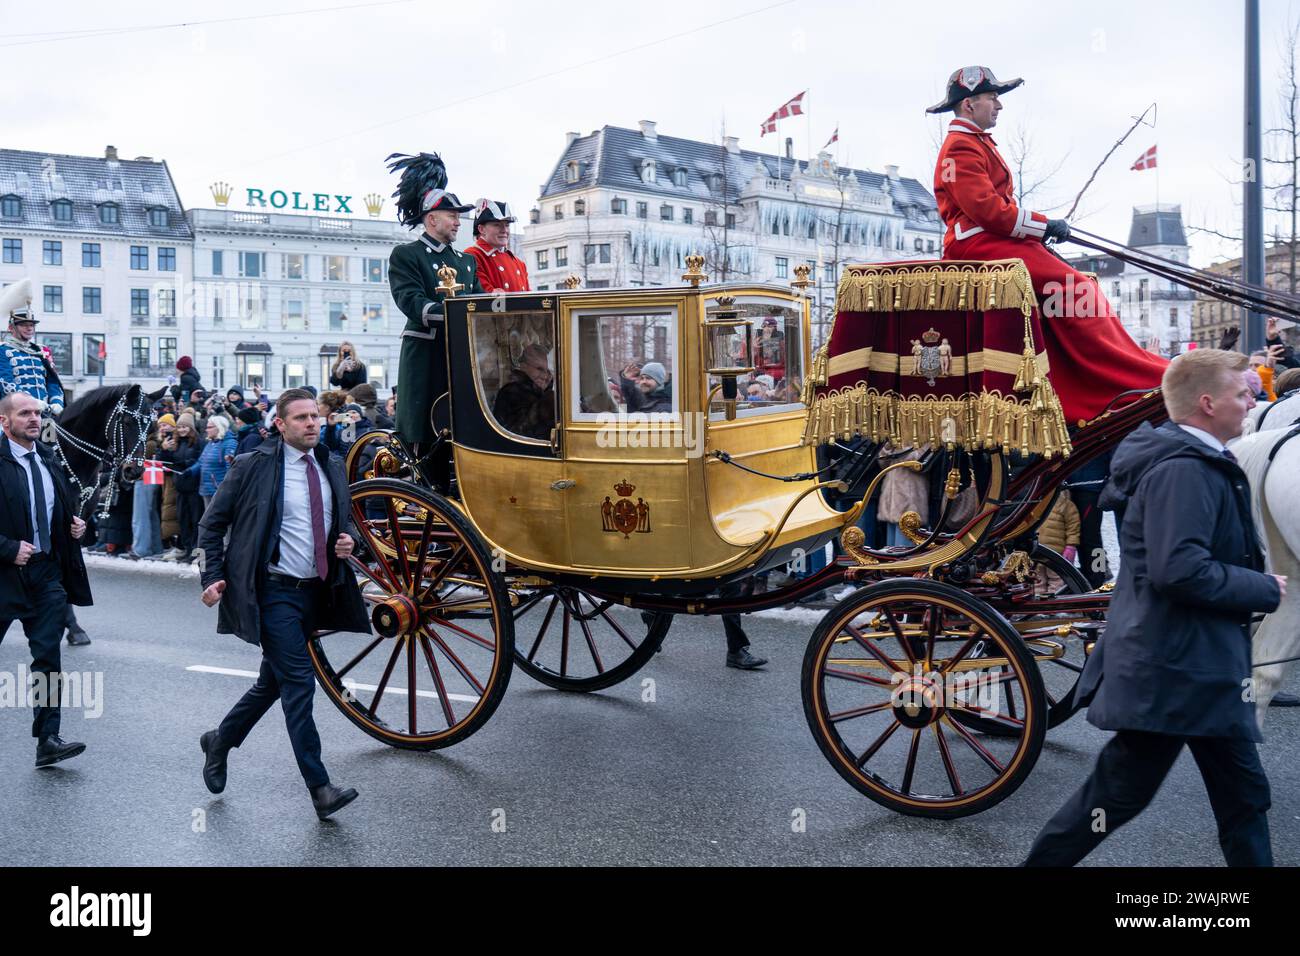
(886, 671)
(439, 659)
(572, 640)
(1060, 659)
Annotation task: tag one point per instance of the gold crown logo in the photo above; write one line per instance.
(220, 193)
(374, 204)
(625, 488)
(930, 337)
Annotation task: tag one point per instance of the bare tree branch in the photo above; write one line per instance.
(1118, 143)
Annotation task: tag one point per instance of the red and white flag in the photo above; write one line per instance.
(1146, 161)
(793, 108)
(835, 138)
(153, 472)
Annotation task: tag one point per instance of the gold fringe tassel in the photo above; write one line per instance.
(983, 422)
(948, 286)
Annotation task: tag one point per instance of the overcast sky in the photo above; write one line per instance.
(315, 101)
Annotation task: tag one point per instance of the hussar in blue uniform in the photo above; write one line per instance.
(24, 367)
(422, 199)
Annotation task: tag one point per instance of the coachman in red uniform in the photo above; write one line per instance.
(499, 269)
(1092, 358)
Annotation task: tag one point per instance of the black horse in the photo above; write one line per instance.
(100, 435)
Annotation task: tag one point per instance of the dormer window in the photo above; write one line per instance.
(647, 170)
(679, 176)
(158, 217)
(61, 210)
(11, 207)
(571, 171)
(109, 214)
(715, 182)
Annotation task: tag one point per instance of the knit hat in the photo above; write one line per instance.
(364, 394)
(167, 420)
(186, 418)
(656, 371)
(250, 415)
(354, 407)
(184, 363)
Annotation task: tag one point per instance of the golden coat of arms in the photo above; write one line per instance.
(931, 356)
(624, 515)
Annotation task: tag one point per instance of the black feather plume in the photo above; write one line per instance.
(419, 174)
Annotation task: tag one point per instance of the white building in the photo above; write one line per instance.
(1148, 306)
(109, 252)
(276, 293)
(625, 207)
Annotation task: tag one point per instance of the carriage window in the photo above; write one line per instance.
(776, 350)
(515, 371)
(626, 361)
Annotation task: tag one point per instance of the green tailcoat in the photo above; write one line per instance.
(422, 373)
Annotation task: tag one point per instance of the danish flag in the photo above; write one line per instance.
(1146, 161)
(835, 138)
(153, 472)
(793, 108)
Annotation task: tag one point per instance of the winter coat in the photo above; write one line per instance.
(189, 382)
(904, 490)
(1060, 529)
(16, 527)
(247, 438)
(349, 379)
(1175, 658)
(525, 409)
(250, 503)
(213, 465)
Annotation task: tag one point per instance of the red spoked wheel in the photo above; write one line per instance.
(886, 672)
(439, 659)
(570, 639)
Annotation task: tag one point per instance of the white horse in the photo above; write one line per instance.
(1275, 497)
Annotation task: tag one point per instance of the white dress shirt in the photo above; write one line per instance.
(297, 541)
(21, 453)
(1206, 437)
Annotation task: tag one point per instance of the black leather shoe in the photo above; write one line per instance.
(329, 799)
(214, 762)
(52, 749)
(744, 660)
(1284, 700)
(77, 637)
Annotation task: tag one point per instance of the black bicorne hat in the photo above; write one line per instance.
(969, 81)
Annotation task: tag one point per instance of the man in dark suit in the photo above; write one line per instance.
(1173, 668)
(283, 575)
(41, 570)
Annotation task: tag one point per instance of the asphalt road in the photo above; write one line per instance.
(715, 771)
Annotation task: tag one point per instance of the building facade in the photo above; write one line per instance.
(109, 251)
(1157, 313)
(1214, 317)
(276, 293)
(625, 207)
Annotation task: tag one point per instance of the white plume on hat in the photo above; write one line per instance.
(16, 297)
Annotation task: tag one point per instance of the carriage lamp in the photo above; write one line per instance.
(727, 338)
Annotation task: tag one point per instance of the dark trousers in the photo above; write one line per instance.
(287, 676)
(1129, 771)
(1092, 554)
(43, 623)
(189, 509)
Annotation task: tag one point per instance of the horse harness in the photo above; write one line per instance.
(114, 456)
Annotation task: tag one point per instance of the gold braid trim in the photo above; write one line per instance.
(948, 286)
(983, 422)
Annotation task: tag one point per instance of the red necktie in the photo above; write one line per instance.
(317, 518)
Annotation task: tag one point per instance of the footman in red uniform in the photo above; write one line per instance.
(1092, 358)
(499, 269)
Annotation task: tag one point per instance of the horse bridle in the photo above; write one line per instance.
(116, 455)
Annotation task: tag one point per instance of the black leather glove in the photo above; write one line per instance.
(1058, 230)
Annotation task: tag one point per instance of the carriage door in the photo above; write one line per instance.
(627, 505)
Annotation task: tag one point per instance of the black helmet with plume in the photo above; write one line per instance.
(421, 174)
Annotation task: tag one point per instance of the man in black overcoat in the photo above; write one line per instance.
(283, 575)
(1173, 668)
(41, 569)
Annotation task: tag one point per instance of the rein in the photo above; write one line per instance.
(114, 456)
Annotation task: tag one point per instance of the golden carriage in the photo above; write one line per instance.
(622, 456)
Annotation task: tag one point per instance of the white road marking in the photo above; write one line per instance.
(349, 684)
